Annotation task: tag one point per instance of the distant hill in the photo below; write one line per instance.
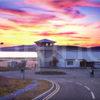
(33, 48)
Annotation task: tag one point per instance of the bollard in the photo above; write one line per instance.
(92, 73)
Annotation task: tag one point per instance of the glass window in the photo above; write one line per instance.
(70, 62)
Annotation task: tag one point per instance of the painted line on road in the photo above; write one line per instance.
(87, 88)
(36, 98)
(54, 92)
(79, 83)
(93, 96)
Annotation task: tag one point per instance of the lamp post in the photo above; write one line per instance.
(1, 43)
(23, 65)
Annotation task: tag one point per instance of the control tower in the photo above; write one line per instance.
(45, 52)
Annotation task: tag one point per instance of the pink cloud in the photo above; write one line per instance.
(80, 37)
(55, 34)
(14, 12)
(76, 24)
(33, 19)
(87, 4)
(31, 1)
(96, 25)
(73, 3)
(73, 13)
(66, 7)
(24, 17)
(67, 33)
(5, 27)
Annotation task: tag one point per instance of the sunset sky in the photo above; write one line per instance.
(68, 22)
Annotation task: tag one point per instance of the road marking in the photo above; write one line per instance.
(54, 92)
(93, 96)
(46, 91)
(87, 88)
(79, 83)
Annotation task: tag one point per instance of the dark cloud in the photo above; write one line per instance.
(73, 13)
(13, 11)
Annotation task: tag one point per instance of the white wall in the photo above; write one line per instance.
(76, 56)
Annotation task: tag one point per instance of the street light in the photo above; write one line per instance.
(1, 43)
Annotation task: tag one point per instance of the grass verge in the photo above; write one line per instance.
(42, 87)
(9, 85)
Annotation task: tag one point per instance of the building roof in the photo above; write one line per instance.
(45, 41)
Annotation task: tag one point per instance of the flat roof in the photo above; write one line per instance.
(18, 54)
(45, 41)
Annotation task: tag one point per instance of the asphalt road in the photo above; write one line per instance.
(72, 91)
(75, 85)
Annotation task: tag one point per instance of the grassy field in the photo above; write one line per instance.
(8, 85)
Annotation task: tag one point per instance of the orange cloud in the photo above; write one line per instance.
(5, 27)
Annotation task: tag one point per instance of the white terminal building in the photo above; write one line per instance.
(67, 56)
